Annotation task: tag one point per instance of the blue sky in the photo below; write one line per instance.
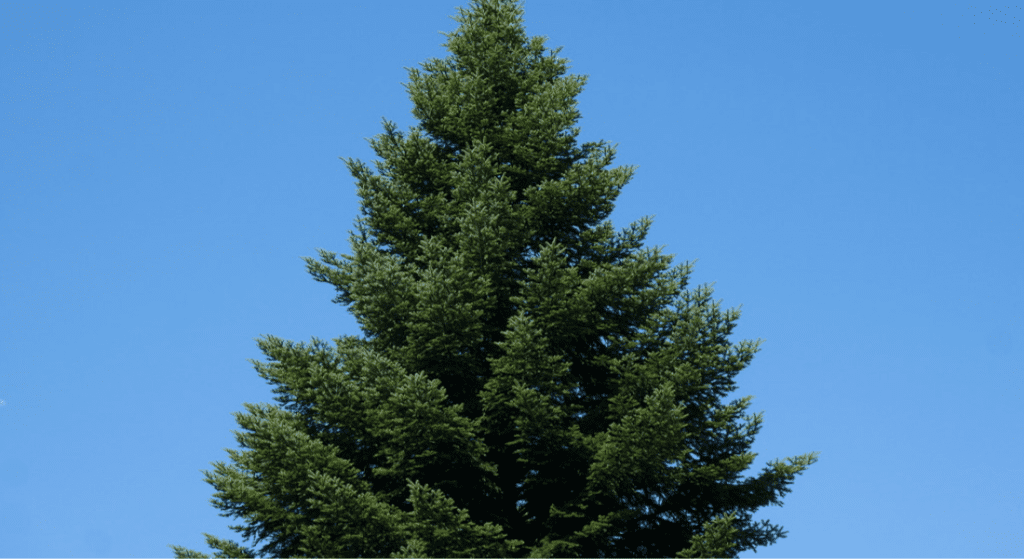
(848, 172)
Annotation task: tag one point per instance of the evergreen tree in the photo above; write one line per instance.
(523, 387)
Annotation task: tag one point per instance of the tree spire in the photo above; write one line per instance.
(524, 387)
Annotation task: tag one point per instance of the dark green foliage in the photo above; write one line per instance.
(525, 387)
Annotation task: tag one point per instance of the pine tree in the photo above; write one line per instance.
(524, 387)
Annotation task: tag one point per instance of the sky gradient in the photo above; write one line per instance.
(848, 172)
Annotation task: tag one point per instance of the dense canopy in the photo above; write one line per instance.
(530, 382)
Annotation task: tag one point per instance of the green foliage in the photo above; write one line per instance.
(525, 387)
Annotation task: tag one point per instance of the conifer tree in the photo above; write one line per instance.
(529, 384)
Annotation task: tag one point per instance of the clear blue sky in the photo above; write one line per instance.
(848, 172)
